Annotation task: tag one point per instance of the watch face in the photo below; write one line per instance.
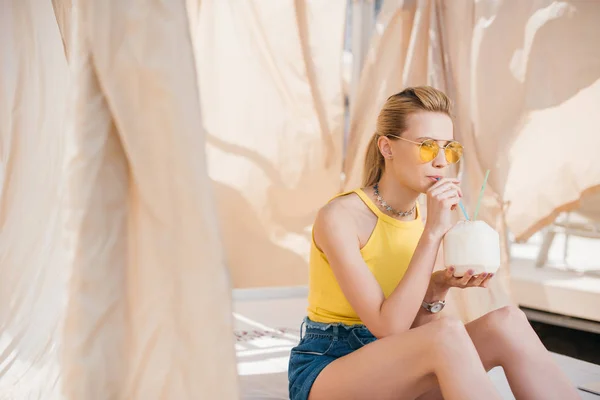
(437, 307)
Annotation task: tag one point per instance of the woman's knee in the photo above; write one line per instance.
(448, 330)
(450, 325)
(507, 323)
(507, 317)
(450, 340)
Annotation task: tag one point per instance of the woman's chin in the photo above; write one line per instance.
(420, 188)
(423, 186)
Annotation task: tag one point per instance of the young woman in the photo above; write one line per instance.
(373, 331)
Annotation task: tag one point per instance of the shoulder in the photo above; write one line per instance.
(342, 208)
(340, 214)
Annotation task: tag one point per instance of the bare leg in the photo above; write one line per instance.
(505, 338)
(405, 366)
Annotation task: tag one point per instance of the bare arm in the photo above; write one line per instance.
(433, 293)
(403, 305)
(337, 236)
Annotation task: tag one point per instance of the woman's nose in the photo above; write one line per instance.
(440, 160)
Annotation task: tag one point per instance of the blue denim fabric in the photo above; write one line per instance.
(320, 345)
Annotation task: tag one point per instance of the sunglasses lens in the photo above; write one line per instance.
(454, 152)
(429, 150)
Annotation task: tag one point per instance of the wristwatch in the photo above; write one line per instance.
(434, 307)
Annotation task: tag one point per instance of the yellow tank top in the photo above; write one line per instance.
(387, 253)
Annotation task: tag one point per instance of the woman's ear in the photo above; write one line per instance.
(385, 147)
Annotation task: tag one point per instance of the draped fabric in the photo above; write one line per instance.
(271, 91)
(113, 279)
(141, 214)
(34, 79)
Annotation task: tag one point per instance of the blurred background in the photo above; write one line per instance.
(161, 164)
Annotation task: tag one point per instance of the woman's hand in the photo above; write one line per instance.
(442, 198)
(444, 279)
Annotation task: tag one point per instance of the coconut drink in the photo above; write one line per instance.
(472, 245)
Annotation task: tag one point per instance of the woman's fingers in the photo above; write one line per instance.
(478, 279)
(443, 182)
(442, 185)
(468, 279)
(448, 194)
(487, 280)
(465, 278)
(451, 202)
(446, 187)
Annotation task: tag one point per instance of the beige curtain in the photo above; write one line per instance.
(271, 92)
(555, 74)
(33, 273)
(109, 247)
(62, 11)
(149, 310)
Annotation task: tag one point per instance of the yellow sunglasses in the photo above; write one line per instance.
(429, 149)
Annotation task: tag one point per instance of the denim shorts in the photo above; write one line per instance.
(320, 345)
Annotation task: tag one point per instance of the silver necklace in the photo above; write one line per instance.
(389, 208)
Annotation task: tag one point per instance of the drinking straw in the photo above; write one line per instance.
(460, 203)
(487, 173)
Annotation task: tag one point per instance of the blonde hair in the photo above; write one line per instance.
(392, 120)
